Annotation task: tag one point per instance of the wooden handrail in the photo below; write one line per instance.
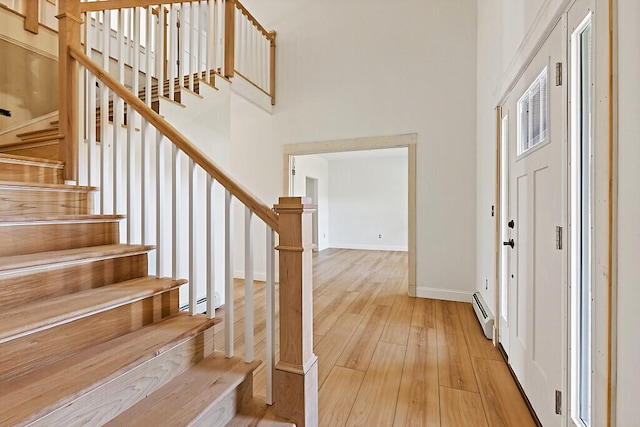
(240, 192)
(253, 20)
(97, 6)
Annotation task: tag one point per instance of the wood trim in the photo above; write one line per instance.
(229, 38)
(238, 191)
(296, 374)
(96, 6)
(272, 65)
(611, 195)
(251, 18)
(32, 13)
(413, 212)
(68, 35)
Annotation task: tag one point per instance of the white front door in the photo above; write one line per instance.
(536, 205)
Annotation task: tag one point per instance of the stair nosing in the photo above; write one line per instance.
(37, 186)
(11, 220)
(31, 161)
(63, 257)
(115, 301)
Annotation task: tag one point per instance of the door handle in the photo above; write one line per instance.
(509, 243)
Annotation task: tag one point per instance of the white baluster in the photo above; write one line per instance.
(104, 103)
(192, 45)
(211, 253)
(149, 57)
(118, 109)
(173, 49)
(228, 275)
(175, 187)
(160, 202)
(248, 285)
(199, 33)
(160, 53)
(211, 39)
(193, 296)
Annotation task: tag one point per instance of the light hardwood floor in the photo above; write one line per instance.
(389, 360)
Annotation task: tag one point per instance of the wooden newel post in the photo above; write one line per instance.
(296, 374)
(68, 34)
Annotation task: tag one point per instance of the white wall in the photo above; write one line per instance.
(317, 167)
(628, 301)
(369, 197)
(357, 69)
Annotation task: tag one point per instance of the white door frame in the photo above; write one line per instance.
(368, 143)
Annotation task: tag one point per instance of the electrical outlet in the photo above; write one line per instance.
(379, 236)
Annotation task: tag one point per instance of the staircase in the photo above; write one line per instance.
(86, 335)
(100, 223)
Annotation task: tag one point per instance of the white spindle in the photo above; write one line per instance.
(193, 249)
(149, 57)
(175, 192)
(211, 253)
(199, 33)
(183, 39)
(270, 313)
(248, 285)
(131, 125)
(91, 132)
(118, 109)
(104, 103)
(173, 49)
(160, 199)
(160, 53)
(211, 39)
(192, 44)
(228, 275)
(144, 131)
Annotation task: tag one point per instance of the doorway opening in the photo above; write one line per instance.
(407, 141)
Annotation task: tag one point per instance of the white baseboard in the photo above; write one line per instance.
(444, 294)
(371, 247)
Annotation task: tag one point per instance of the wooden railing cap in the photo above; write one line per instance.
(295, 203)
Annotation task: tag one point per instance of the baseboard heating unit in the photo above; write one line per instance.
(484, 315)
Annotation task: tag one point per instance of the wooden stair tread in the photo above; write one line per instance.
(183, 399)
(257, 413)
(27, 159)
(46, 186)
(27, 398)
(39, 132)
(69, 255)
(14, 219)
(44, 314)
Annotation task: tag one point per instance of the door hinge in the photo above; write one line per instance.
(558, 238)
(558, 73)
(558, 402)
